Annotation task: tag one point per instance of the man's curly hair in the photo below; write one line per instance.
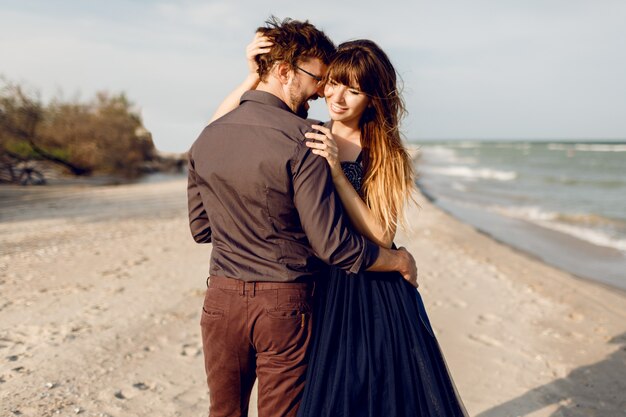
(293, 41)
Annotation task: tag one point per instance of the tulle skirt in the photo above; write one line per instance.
(373, 352)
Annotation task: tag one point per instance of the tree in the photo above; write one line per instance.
(105, 135)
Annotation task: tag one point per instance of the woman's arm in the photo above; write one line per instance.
(360, 214)
(259, 45)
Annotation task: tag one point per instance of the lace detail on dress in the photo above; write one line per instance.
(354, 173)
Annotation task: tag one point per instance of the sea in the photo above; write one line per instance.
(562, 202)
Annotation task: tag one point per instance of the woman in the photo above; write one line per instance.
(373, 352)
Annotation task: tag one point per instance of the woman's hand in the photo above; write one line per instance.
(324, 145)
(260, 45)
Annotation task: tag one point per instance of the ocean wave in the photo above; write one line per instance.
(567, 181)
(474, 173)
(446, 155)
(591, 219)
(469, 145)
(457, 186)
(513, 145)
(587, 147)
(600, 148)
(439, 152)
(591, 228)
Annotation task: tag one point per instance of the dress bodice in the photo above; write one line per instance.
(352, 169)
(354, 172)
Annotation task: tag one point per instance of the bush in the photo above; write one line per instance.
(104, 135)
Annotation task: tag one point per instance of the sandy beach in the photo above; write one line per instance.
(101, 291)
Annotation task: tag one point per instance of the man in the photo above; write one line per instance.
(269, 207)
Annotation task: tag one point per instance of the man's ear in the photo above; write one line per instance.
(284, 72)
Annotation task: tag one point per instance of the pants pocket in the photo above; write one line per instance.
(215, 305)
(212, 313)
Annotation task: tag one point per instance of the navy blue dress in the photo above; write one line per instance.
(373, 352)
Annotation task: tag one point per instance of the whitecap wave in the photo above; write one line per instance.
(457, 186)
(571, 224)
(469, 145)
(600, 147)
(588, 147)
(474, 173)
(445, 155)
(439, 152)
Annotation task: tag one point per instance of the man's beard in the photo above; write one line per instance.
(299, 102)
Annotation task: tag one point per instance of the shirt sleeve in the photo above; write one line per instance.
(322, 216)
(198, 218)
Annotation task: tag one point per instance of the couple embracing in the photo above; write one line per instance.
(306, 291)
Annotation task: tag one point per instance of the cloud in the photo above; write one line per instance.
(471, 69)
(222, 15)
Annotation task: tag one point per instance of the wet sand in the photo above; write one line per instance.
(101, 291)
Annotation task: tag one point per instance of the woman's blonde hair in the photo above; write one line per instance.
(388, 178)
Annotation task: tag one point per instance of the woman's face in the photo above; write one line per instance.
(345, 104)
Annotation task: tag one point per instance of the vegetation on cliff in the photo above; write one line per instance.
(104, 135)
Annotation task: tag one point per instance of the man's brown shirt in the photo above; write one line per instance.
(265, 201)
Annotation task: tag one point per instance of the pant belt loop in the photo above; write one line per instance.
(208, 279)
(243, 287)
(253, 289)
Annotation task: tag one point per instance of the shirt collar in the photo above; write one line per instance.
(264, 97)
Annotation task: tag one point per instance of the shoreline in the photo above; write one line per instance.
(101, 291)
(541, 333)
(573, 241)
(577, 249)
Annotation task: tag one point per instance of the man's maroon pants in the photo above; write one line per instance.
(255, 330)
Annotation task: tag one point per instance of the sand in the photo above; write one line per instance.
(101, 291)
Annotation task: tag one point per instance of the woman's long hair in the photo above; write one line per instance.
(388, 178)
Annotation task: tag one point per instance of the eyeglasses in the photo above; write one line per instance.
(315, 77)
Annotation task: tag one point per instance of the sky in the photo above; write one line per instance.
(480, 69)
